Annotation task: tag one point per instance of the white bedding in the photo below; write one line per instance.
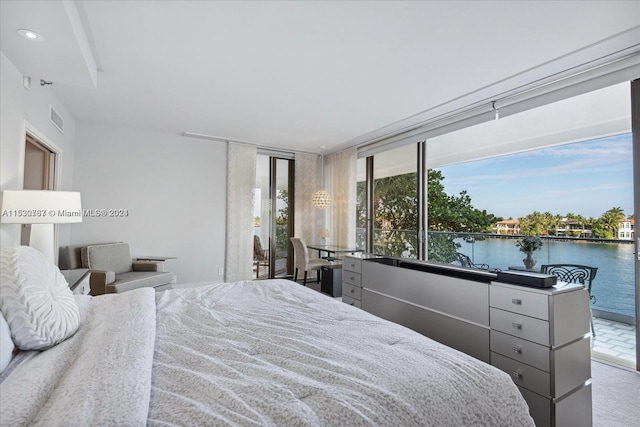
(99, 376)
(252, 353)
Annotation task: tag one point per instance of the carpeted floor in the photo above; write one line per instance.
(616, 396)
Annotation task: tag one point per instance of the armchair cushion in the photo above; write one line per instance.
(138, 279)
(114, 257)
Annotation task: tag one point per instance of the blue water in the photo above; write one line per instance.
(613, 287)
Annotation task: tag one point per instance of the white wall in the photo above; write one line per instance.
(173, 187)
(18, 104)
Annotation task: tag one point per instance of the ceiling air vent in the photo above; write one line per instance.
(57, 120)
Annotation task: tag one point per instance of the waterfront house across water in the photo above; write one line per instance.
(625, 229)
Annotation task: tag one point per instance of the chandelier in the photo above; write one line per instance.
(321, 198)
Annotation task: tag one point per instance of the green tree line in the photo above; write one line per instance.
(547, 224)
(396, 218)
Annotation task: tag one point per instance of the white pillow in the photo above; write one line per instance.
(6, 344)
(35, 299)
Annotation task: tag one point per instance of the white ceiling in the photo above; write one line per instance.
(291, 75)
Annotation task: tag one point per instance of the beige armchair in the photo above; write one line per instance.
(303, 262)
(113, 271)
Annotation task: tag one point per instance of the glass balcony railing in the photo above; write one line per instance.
(613, 286)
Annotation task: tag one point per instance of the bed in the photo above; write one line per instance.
(266, 352)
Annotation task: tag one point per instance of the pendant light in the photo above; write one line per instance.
(321, 198)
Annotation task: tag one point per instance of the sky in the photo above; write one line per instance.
(586, 178)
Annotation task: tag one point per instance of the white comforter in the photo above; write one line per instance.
(99, 376)
(253, 353)
(276, 353)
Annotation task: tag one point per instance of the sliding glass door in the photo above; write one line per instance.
(273, 217)
(563, 173)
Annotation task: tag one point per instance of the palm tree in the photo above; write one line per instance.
(607, 225)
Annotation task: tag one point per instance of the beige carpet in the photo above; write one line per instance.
(616, 396)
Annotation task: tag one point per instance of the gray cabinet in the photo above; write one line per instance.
(450, 310)
(352, 280)
(540, 337)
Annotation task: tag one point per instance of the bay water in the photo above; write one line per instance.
(613, 287)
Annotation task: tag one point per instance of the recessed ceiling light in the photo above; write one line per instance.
(30, 35)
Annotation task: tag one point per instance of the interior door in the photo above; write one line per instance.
(38, 173)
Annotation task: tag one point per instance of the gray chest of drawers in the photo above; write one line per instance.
(540, 337)
(352, 281)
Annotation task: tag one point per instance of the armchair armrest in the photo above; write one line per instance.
(157, 266)
(99, 280)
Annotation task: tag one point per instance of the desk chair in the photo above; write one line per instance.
(303, 262)
(574, 273)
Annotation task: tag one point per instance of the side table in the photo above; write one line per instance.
(160, 260)
(155, 258)
(78, 280)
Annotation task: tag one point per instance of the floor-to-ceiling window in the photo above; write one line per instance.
(361, 203)
(273, 218)
(563, 172)
(576, 198)
(395, 209)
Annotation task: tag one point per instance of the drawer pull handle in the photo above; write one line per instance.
(516, 301)
(352, 290)
(352, 265)
(516, 325)
(353, 278)
(351, 303)
(517, 375)
(516, 349)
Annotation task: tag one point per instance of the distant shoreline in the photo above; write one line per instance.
(461, 235)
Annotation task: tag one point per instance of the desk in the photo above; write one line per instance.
(332, 249)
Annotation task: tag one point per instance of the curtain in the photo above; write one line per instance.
(241, 180)
(306, 182)
(341, 183)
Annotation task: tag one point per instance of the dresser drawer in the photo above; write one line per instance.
(524, 375)
(524, 327)
(351, 291)
(352, 264)
(352, 278)
(519, 301)
(351, 301)
(521, 350)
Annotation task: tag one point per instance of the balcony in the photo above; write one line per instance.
(615, 342)
(613, 287)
